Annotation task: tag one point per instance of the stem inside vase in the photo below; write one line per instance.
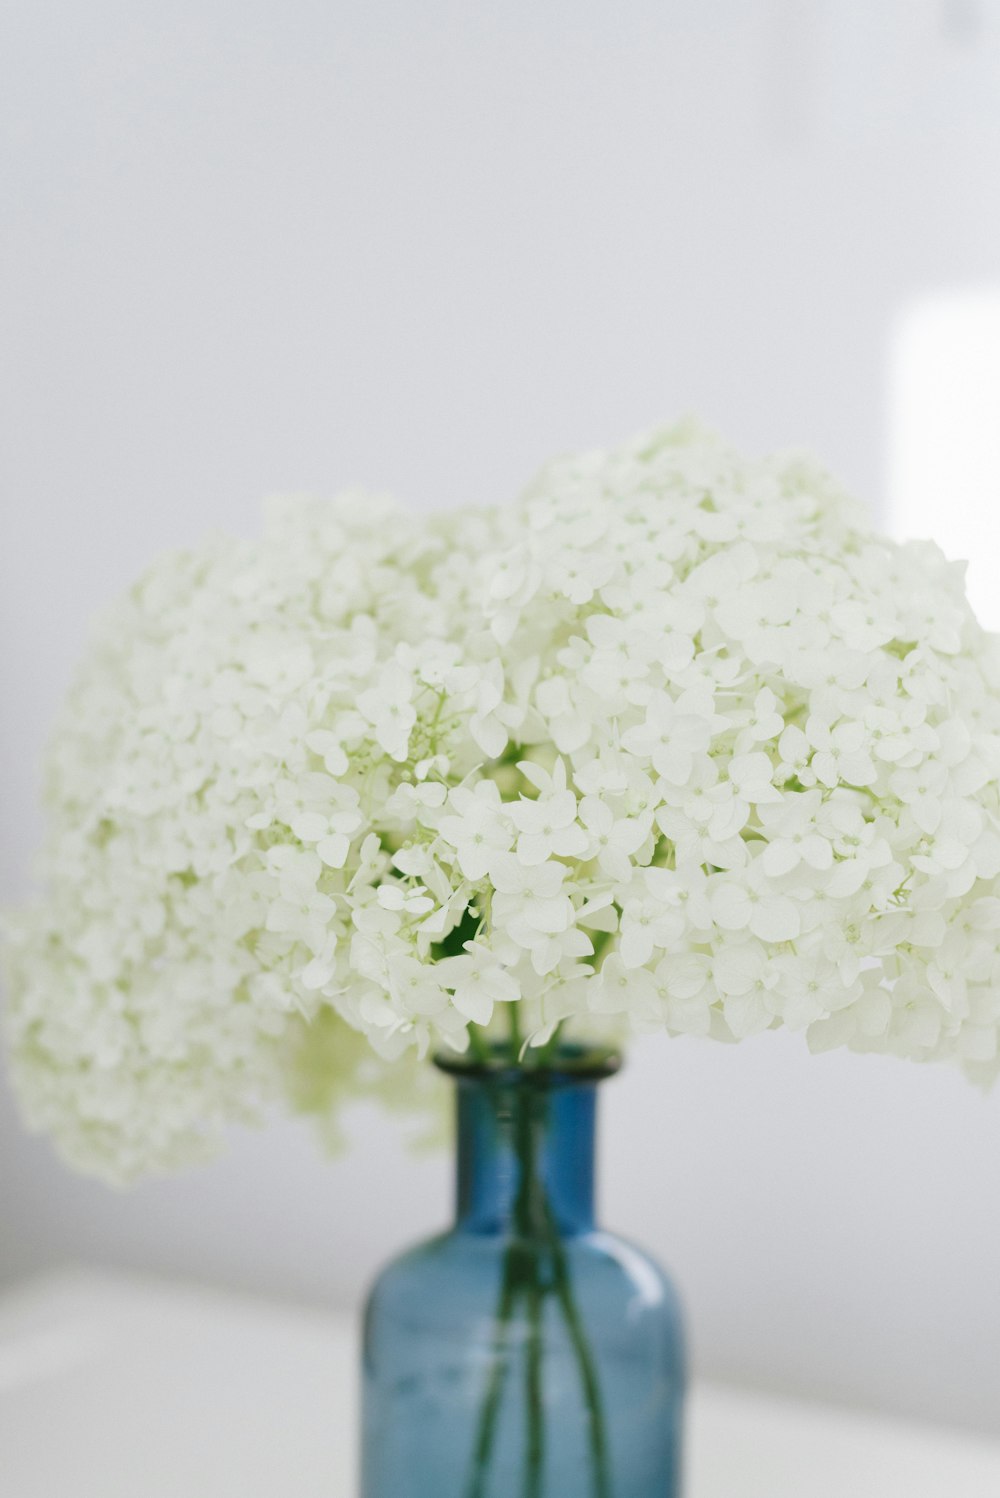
(522, 1353)
(534, 1267)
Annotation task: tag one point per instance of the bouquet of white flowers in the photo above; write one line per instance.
(676, 740)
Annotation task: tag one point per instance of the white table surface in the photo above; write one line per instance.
(120, 1387)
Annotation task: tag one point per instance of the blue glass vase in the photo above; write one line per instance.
(525, 1353)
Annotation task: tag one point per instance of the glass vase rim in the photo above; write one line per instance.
(572, 1063)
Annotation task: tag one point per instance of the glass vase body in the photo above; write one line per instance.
(525, 1353)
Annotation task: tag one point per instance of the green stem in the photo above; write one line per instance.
(584, 1357)
(529, 1219)
(520, 1277)
(534, 1237)
(479, 1470)
(533, 1389)
(546, 1052)
(478, 1044)
(514, 1021)
(532, 1207)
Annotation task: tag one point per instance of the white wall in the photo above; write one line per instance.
(259, 245)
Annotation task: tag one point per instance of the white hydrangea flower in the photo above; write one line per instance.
(676, 738)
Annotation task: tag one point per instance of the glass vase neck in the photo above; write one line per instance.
(526, 1145)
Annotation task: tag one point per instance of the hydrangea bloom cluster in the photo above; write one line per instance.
(675, 739)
